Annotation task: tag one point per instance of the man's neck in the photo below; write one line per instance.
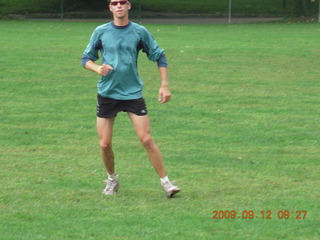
(121, 22)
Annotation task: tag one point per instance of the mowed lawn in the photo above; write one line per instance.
(240, 134)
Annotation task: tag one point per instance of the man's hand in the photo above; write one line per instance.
(100, 69)
(164, 94)
(104, 69)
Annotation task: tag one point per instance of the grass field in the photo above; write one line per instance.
(241, 133)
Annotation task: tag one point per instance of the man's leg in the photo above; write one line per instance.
(105, 127)
(142, 127)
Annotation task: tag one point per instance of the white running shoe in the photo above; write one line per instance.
(170, 189)
(112, 186)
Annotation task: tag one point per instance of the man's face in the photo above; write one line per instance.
(120, 8)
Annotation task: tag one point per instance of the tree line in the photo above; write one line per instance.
(294, 8)
(297, 7)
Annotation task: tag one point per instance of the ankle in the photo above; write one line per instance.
(113, 176)
(164, 179)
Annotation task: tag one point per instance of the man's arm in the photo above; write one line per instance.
(100, 69)
(164, 92)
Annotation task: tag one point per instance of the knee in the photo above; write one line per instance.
(105, 146)
(146, 141)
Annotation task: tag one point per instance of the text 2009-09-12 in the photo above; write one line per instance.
(267, 214)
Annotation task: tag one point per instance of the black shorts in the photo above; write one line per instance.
(108, 107)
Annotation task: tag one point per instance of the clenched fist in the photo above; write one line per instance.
(104, 69)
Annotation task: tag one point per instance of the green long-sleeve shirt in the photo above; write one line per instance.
(119, 47)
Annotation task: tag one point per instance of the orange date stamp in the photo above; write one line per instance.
(267, 214)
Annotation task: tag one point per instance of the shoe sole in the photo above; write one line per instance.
(173, 193)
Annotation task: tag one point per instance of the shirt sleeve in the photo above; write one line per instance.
(151, 48)
(92, 50)
(162, 61)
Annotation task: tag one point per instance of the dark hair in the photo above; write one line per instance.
(110, 1)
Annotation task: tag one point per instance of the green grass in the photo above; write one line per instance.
(241, 133)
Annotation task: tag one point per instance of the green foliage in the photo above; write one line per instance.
(304, 8)
(241, 133)
(214, 7)
(241, 7)
(52, 6)
(29, 6)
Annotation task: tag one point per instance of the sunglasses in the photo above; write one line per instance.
(115, 3)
